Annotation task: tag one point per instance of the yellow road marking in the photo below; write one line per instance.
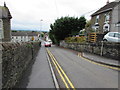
(58, 70)
(115, 68)
(64, 74)
(57, 64)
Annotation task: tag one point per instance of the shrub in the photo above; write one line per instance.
(80, 39)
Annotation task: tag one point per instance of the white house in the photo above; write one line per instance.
(24, 36)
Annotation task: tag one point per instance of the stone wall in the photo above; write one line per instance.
(110, 50)
(6, 30)
(15, 59)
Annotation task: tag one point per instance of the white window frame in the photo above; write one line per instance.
(1, 29)
(107, 18)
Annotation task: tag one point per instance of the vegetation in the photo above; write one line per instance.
(65, 27)
(80, 39)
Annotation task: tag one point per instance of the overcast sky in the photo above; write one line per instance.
(39, 14)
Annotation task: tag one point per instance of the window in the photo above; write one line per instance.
(1, 29)
(117, 35)
(97, 19)
(111, 34)
(107, 17)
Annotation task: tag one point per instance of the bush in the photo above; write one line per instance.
(80, 39)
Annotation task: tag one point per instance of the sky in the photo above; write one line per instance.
(39, 14)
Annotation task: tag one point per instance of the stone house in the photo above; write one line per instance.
(105, 19)
(5, 23)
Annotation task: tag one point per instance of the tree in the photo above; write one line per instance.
(65, 27)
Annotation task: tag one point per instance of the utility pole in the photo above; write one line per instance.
(40, 27)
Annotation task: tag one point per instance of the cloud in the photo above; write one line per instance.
(28, 13)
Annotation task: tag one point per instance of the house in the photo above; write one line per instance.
(5, 23)
(34, 36)
(115, 26)
(22, 36)
(19, 37)
(106, 18)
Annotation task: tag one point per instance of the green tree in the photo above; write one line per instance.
(65, 27)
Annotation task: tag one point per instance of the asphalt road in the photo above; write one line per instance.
(84, 74)
(81, 73)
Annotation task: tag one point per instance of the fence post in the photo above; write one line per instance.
(101, 48)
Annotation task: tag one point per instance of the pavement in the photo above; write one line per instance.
(41, 75)
(101, 59)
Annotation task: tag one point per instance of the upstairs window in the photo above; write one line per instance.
(107, 17)
(97, 19)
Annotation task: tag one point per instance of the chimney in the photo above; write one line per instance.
(4, 4)
(107, 2)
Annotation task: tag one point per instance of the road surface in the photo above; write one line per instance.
(82, 73)
(75, 71)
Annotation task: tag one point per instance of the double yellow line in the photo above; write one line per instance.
(93, 62)
(62, 74)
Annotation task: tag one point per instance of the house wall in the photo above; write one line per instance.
(115, 18)
(101, 21)
(19, 39)
(7, 30)
(1, 30)
(23, 38)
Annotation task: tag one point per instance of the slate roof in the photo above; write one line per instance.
(4, 12)
(32, 34)
(105, 8)
(18, 34)
(24, 34)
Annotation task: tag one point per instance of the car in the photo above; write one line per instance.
(50, 42)
(47, 44)
(112, 37)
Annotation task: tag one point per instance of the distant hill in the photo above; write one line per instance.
(32, 30)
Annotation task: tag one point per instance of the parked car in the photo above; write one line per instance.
(112, 37)
(47, 44)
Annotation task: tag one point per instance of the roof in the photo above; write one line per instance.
(18, 34)
(4, 12)
(105, 8)
(24, 34)
(32, 34)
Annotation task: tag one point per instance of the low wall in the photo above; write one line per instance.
(15, 59)
(110, 50)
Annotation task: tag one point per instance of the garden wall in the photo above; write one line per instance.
(106, 49)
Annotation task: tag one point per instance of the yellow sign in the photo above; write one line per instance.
(33, 38)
